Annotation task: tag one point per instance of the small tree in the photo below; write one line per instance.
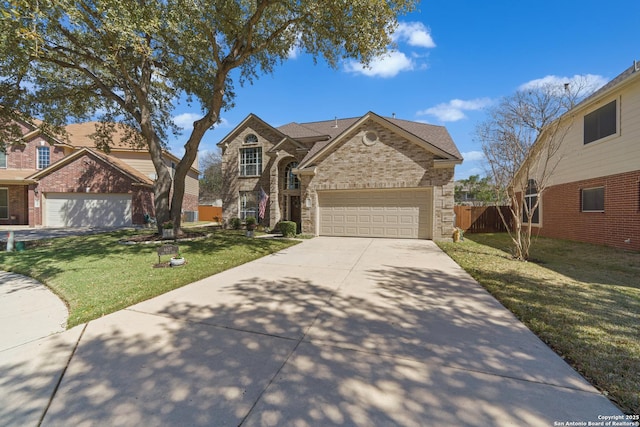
(211, 179)
(521, 142)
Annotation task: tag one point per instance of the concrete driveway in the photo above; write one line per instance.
(334, 331)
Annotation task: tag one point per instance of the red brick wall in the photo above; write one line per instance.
(562, 216)
(24, 156)
(17, 205)
(88, 173)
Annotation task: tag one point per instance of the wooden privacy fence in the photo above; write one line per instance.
(481, 219)
(209, 213)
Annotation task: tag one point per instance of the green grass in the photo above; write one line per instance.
(95, 275)
(582, 300)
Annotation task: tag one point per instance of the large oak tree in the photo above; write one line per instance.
(129, 61)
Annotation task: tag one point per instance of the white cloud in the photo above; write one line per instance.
(387, 65)
(453, 110)
(414, 34)
(186, 120)
(585, 83)
(473, 156)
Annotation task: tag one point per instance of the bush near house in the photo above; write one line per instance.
(288, 228)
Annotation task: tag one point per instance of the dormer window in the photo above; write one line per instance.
(3, 160)
(251, 139)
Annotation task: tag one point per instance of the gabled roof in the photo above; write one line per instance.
(122, 167)
(80, 135)
(623, 78)
(430, 137)
(326, 133)
(244, 123)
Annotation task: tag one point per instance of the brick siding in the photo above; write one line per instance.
(392, 162)
(89, 175)
(562, 217)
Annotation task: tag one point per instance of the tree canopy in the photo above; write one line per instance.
(128, 62)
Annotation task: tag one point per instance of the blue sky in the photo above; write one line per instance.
(453, 60)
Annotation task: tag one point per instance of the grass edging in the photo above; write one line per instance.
(582, 300)
(96, 275)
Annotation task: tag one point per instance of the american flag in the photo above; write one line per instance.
(264, 197)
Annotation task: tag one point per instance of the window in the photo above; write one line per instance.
(248, 204)
(43, 158)
(4, 203)
(250, 161)
(3, 160)
(530, 200)
(592, 199)
(600, 123)
(292, 182)
(251, 139)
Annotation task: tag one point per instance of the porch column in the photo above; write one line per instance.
(274, 202)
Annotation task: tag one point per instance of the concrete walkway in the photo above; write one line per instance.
(28, 311)
(360, 332)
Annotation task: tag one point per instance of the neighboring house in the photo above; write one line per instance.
(593, 195)
(367, 176)
(45, 181)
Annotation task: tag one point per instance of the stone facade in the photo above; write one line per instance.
(390, 161)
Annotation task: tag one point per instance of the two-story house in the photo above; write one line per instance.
(45, 181)
(368, 176)
(593, 193)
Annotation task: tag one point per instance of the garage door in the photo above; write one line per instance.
(376, 213)
(87, 210)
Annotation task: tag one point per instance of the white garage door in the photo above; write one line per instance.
(376, 213)
(87, 210)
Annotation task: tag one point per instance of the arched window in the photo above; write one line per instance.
(250, 139)
(292, 182)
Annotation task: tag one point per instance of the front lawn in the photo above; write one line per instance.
(582, 300)
(95, 275)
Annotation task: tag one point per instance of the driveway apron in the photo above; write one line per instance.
(334, 331)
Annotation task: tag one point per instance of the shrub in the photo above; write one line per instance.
(167, 225)
(250, 221)
(288, 228)
(236, 223)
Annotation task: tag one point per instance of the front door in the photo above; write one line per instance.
(294, 203)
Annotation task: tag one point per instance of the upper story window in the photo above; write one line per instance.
(3, 160)
(292, 182)
(44, 157)
(601, 122)
(251, 139)
(251, 161)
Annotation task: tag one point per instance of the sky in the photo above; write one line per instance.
(454, 59)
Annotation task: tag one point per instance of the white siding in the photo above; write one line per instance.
(612, 155)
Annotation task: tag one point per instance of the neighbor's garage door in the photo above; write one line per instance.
(376, 213)
(87, 210)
